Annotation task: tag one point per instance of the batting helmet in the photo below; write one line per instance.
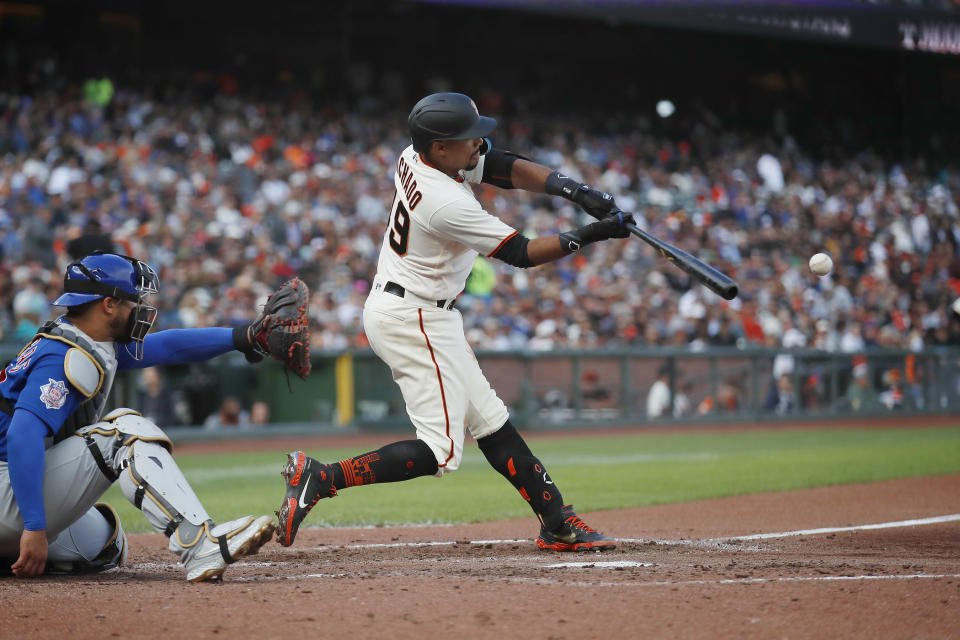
(111, 275)
(446, 116)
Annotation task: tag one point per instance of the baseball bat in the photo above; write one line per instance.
(714, 279)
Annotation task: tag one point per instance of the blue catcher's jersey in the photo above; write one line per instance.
(36, 381)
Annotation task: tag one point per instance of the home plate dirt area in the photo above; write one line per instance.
(862, 561)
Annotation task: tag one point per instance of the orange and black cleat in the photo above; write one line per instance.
(307, 481)
(574, 535)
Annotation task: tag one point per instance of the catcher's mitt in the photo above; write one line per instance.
(283, 329)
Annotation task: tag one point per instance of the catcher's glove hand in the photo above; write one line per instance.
(282, 331)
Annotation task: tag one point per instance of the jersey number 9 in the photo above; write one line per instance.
(400, 229)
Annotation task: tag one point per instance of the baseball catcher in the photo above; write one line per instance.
(282, 331)
(60, 450)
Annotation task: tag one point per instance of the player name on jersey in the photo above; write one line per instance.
(409, 184)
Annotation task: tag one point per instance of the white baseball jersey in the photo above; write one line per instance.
(437, 227)
(435, 232)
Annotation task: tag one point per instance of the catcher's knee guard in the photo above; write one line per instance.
(147, 473)
(96, 542)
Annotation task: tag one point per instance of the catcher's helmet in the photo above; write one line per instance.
(111, 275)
(446, 116)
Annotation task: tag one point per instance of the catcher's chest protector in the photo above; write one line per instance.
(90, 368)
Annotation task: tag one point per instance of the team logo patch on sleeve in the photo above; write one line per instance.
(54, 394)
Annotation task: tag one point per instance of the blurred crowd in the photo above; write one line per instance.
(227, 197)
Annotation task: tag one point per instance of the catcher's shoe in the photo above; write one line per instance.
(574, 535)
(206, 550)
(307, 481)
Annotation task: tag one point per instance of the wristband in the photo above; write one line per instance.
(601, 230)
(241, 342)
(577, 239)
(558, 184)
(570, 241)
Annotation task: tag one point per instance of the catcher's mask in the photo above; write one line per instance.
(112, 275)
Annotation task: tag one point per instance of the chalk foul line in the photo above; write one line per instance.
(703, 542)
(678, 583)
(656, 583)
(812, 532)
(604, 564)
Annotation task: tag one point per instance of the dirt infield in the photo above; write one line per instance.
(681, 571)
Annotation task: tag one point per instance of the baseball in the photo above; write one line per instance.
(665, 109)
(821, 264)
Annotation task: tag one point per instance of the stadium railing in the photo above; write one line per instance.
(353, 390)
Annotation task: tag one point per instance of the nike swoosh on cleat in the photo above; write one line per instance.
(303, 505)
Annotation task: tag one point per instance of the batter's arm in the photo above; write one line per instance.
(509, 170)
(530, 176)
(523, 252)
(545, 249)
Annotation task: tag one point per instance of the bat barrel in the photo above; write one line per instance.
(714, 279)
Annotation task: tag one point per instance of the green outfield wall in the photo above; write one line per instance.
(353, 390)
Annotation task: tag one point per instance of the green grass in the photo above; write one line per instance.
(594, 473)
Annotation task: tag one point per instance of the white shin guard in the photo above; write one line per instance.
(152, 481)
(136, 453)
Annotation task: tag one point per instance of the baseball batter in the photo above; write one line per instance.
(435, 232)
(58, 453)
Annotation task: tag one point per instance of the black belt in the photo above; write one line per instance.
(398, 290)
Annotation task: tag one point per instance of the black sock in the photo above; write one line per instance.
(394, 462)
(506, 452)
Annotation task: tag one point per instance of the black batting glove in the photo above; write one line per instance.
(598, 204)
(617, 222)
(614, 226)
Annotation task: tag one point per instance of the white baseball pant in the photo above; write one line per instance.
(72, 484)
(438, 374)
